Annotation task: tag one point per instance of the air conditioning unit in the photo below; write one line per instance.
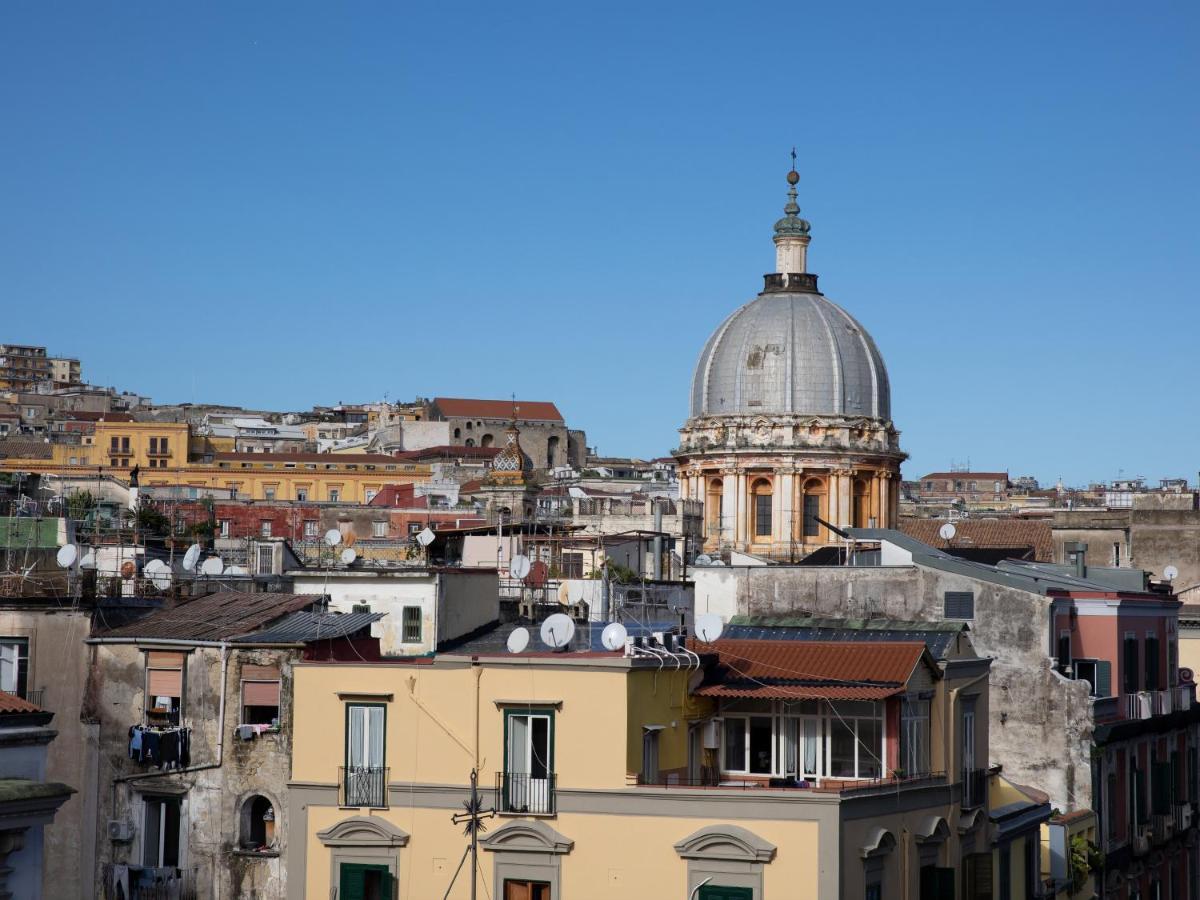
(711, 734)
(120, 830)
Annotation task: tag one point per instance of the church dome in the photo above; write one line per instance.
(791, 351)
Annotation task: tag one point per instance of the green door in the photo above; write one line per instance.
(716, 892)
(358, 881)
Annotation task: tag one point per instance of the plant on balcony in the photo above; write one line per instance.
(1086, 858)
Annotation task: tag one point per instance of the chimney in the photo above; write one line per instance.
(1076, 553)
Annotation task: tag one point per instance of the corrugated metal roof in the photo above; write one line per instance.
(300, 627)
(215, 617)
(813, 669)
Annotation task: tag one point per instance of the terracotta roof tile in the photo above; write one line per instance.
(828, 670)
(527, 411)
(983, 533)
(11, 703)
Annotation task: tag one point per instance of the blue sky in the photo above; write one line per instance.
(281, 205)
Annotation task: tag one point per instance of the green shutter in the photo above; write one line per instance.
(1103, 678)
(352, 880)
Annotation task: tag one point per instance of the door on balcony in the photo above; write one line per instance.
(526, 890)
(529, 762)
(717, 892)
(359, 881)
(365, 783)
(968, 738)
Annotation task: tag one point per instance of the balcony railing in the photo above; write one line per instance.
(33, 696)
(1162, 827)
(1184, 816)
(364, 786)
(1138, 706)
(1161, 702)
(1185, 696)
(974, 788)
(520, 792)
(149, 883)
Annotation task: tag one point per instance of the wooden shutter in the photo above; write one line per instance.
(260, 693)
(260, 673)
(164, 659)
(1103, 678)
(164, 682)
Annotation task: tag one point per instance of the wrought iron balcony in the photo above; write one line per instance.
(363, 786)
(520, 792)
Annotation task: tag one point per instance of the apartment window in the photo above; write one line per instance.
(525, 890)
(914, 737)
(650, 755)
(959, 604)
(1172, 661)
(164, 687)
(977, 876)
(260, 695)
(302, 494)
(124, 464)
(14, 665)
(112, 463)
(812, 511)
(1097, 673)
(528, 761)
(412, 624)
(1129, 664)
(379, 529)
(264, 528)
(266, 559)
(1116, 554)
(572, 565)
(269, 492)
(1005, 873)
(114, 445)
(310, 528)
(1152, 662)
(414, 528)
(162, 446)
(365, 782)
(160, 831)
(124, 445)
(369, 495)
(762, 511)
(223, 527)
(335, 494)
(856, 740)
(1064, 652)
(153, 445)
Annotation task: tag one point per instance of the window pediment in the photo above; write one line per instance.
(726, 842)
(527, 837)
(363, 831)
(879, 842)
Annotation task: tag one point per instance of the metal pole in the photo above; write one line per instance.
(474, 832)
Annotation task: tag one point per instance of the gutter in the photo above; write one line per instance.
(185, 642)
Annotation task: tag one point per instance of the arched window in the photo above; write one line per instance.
(760, 493)
(551, 451)
(257, 830)
(468, 426)
(713, 506)
(814, 506)
(457, 433)
(486, 440)
(470, 442)
(862, 503)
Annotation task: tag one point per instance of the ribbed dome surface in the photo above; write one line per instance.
(791, 353)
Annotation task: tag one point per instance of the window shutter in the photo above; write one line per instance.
(260, 693)
(163, 659)
(164, 682)
(959, 605)
(260, 673)
(1103, 678)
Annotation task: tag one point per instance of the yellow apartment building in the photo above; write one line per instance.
(159, 450)
(615, 775)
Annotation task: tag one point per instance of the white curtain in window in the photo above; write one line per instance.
(8, 667)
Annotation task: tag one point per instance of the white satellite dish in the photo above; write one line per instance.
(557, 631)
(703, 560)
(518, 640)
(88, 561)
(575, 591)
(1170, 573)
(237, 570)
(333, 537)
(191, 558)
(161, 578)
(947, 531)
(66, 555)
(613, 636)
(349, 555)
(425, 537)
(154, 567)
(709, 627)
(519, 567)
(213, 566)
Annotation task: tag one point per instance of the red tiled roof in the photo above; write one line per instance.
(379, 458)
(400, 495)
(831, 670)
(965, 476)
(11, 703)
(215, 617)
(985, 533)
(470, 487)
(528, 410)
(448, 451)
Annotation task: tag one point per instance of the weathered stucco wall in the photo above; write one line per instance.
(212, 796)
(1040, 722)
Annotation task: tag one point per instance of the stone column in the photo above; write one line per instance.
(785, 503)
(726, 527)
(845, 483)
(740, 519)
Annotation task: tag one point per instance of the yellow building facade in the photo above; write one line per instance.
(562, 744)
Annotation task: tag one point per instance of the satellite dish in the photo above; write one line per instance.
(88, 561)
(154, 567)
(333, 537)
(709, 627)
(237, 570)
(191, 558)
(557, 631)
(947, 531)
(213, 566)
(613, 636)
(1170, 573)
(161, 576)
(425, 537)
(575, 591)
(703, 560)
(349, 555)
(519, 567)
(518, 640)
(67, 554)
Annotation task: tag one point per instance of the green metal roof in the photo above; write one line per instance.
(17, 532)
